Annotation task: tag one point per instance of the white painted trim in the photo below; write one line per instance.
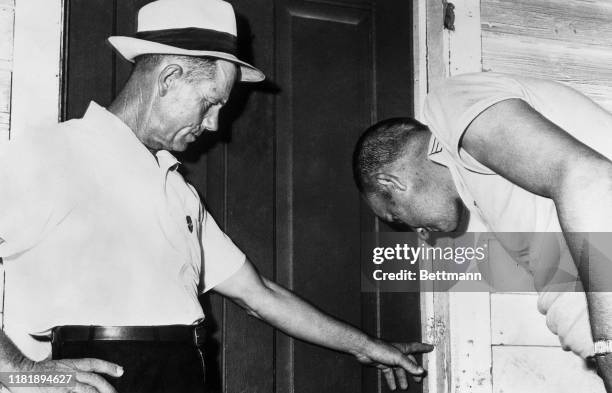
(419, 53)
(469, 313)
(457, 323)
(465, 42)
(35, 98)
(430, 66)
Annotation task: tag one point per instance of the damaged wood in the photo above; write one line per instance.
(449, 15)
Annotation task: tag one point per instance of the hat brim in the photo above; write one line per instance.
(130, 48)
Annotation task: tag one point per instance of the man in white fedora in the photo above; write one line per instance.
(107, 248)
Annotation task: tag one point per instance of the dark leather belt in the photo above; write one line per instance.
(172, 333)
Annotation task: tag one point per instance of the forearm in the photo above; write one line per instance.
(593, 269)
(296, 317)
(583, 228)
(585, 212)
(11, 358)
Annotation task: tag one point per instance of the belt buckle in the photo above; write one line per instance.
(198, 335)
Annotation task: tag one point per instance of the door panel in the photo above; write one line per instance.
(325, 66)
(277, 175)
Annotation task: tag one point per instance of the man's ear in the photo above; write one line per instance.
(391, 182)
(168, 75)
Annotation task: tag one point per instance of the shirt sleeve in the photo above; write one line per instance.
(449, 109)
(32, 199)
(222, 258)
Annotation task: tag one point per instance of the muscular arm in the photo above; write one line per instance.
(515, 141)
(284, 310)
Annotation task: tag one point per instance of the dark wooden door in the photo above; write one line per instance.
(277, 176)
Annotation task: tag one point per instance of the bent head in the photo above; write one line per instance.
(399, 183)
(179, 98)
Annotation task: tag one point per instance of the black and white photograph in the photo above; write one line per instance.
(305, 196)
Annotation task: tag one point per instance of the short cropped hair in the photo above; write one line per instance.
(196, 68)
(381, 145)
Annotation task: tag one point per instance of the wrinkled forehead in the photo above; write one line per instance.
(225, 76)
(218, 89)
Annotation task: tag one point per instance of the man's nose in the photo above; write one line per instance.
(211, 122)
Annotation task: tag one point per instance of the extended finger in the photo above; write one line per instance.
(389, 377)
(400, 374)
(418, 347)
(98, 366)
(416, 378)
(410, 365)
(96, 381)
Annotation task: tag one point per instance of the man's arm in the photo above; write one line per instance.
(520, 144)
(284, 310)
(85, 370)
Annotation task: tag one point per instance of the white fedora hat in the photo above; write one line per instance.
(186, 27)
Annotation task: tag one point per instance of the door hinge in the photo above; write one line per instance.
(449, 15)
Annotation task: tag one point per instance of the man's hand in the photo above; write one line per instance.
(395, 360)
(284, 310)
(86, 372)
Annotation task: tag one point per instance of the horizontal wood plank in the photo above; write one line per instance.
(4, 126)
(583, 67)
(541, 370)
(515, 320)
(584, 22)
(6, 65)
(7, 19)
(4, 119)
(5, 91)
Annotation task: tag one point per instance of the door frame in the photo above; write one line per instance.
(458, 323)
(36, 76)
(37, 64)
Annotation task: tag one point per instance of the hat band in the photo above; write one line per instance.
(192, 38)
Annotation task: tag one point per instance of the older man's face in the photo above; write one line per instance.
(191, 108)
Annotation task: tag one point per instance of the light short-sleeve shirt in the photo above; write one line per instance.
(99, 231)
(498, 203)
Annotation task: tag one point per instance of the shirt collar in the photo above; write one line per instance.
(167, 161)
(436, 152)
(97, 115)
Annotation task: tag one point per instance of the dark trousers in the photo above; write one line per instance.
(149, 366)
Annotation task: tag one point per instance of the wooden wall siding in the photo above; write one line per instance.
(513, 351)
(538, 369)
(515, 320)
(7, 17)
(569, 41)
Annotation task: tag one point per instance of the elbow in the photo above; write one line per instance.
(583, 177)
(248, 306)
(256, 302)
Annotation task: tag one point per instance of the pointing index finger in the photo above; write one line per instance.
(419, 348)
